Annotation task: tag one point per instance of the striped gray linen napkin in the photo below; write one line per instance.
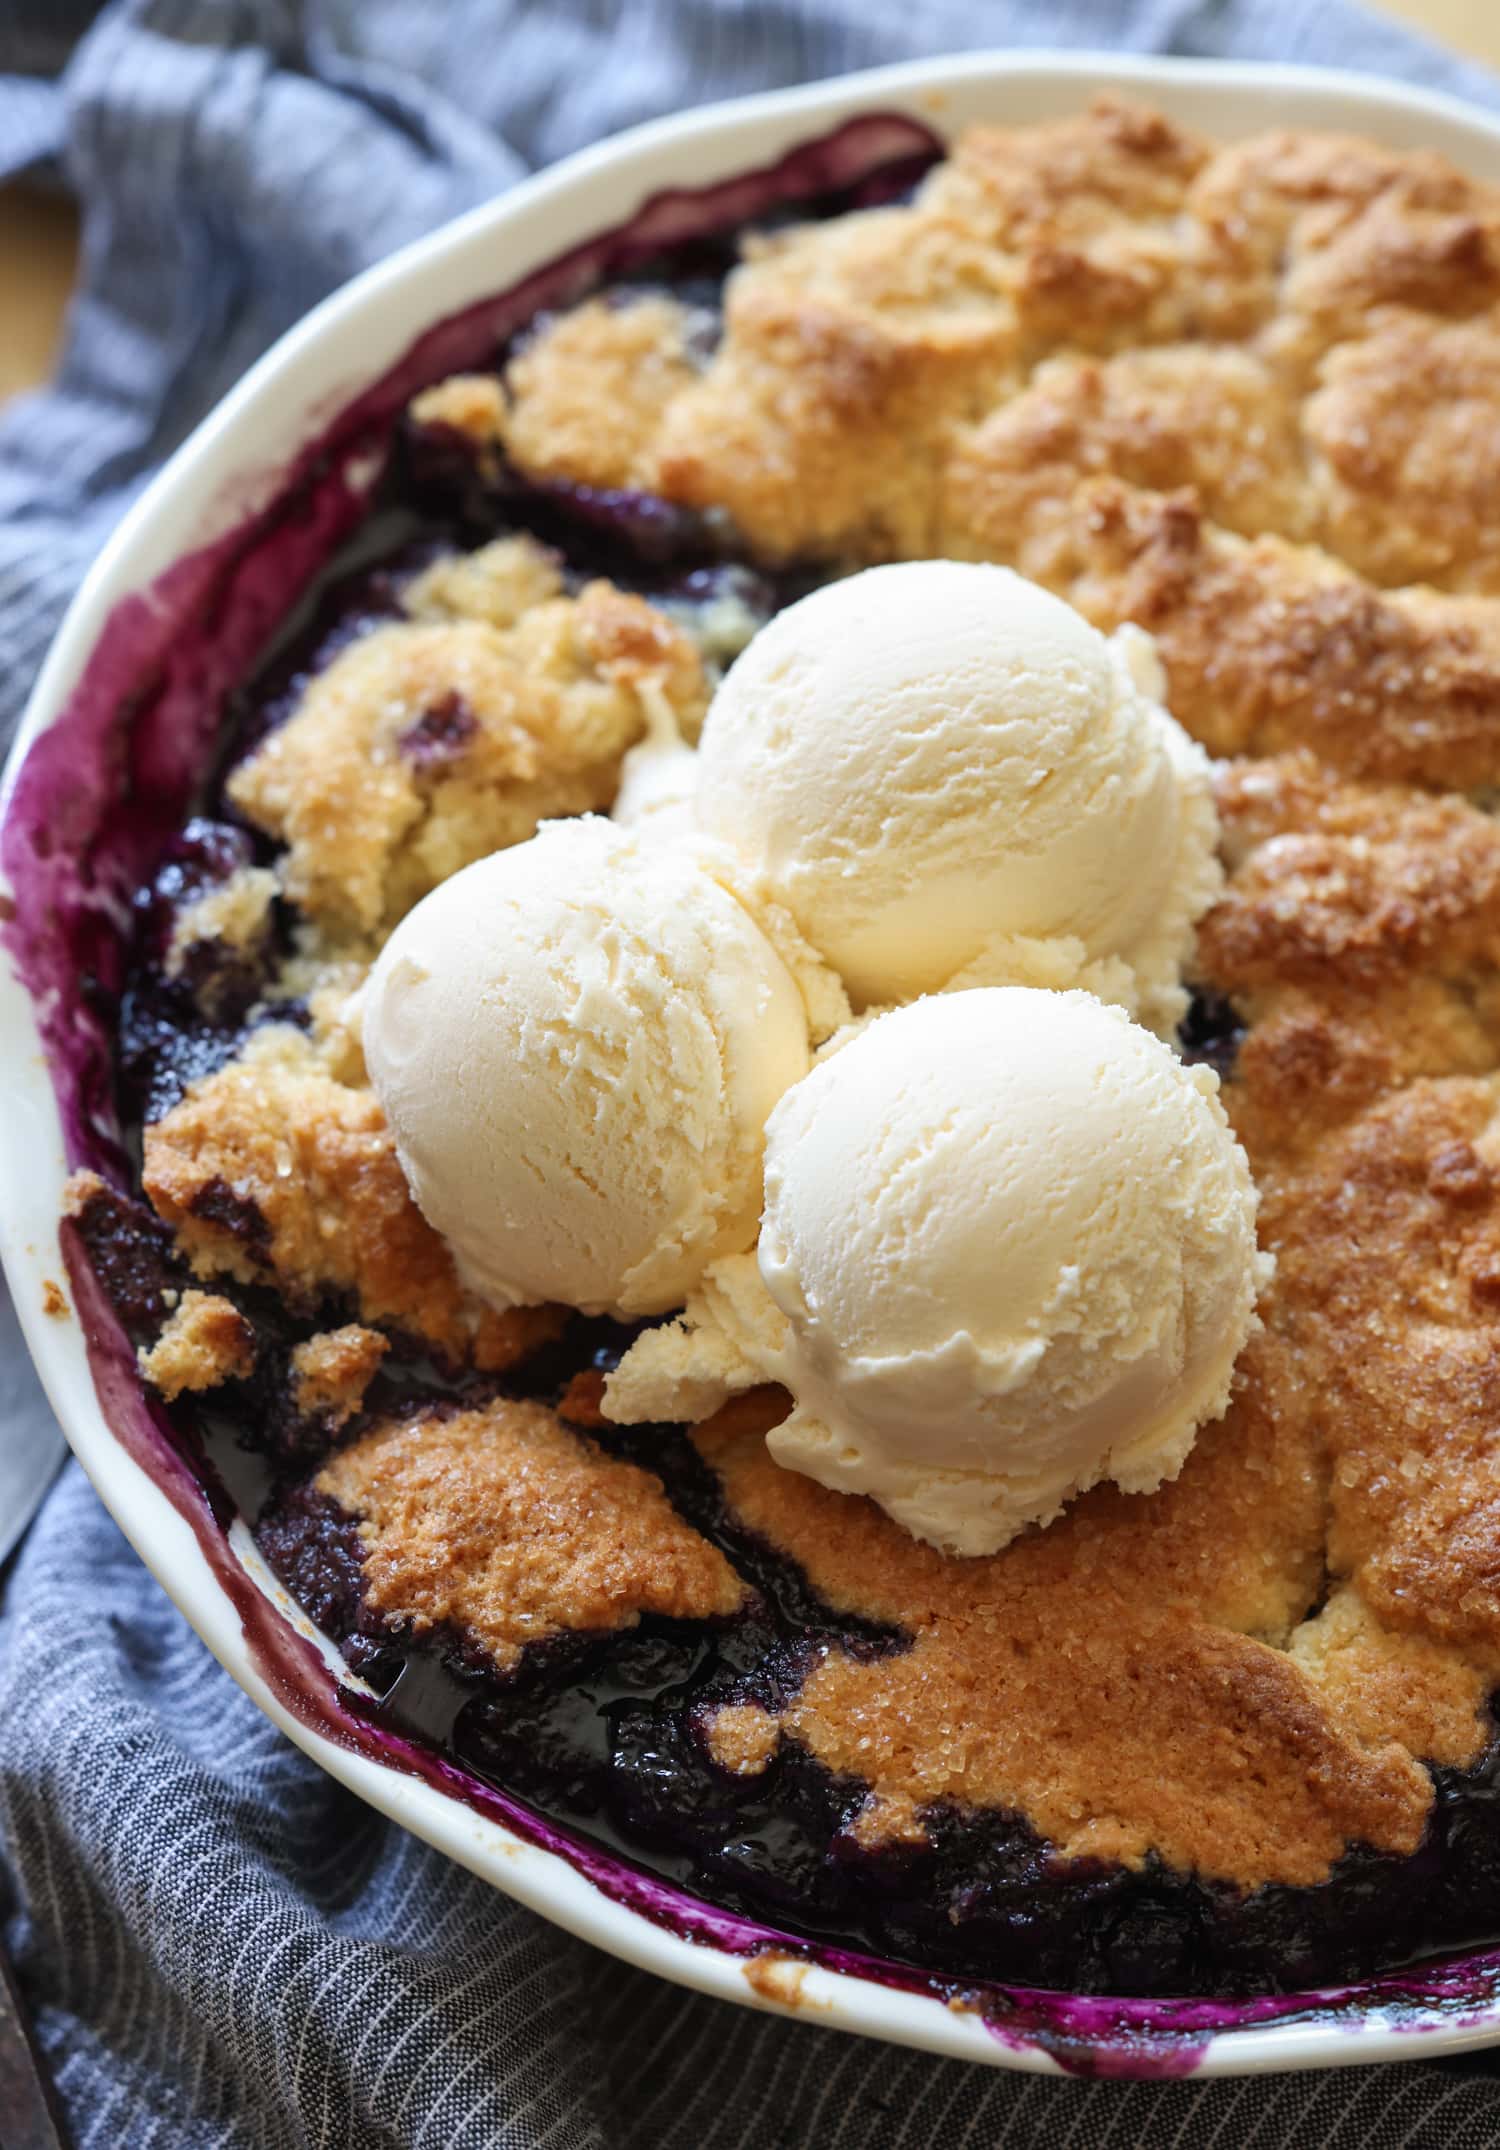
(223, 1947)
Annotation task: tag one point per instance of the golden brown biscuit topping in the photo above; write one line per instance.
(504, 1525)
(332, 1370)
(206, 1341)
(427, 744)
(1050, 1678)
(269, 1169)
(1099, 350)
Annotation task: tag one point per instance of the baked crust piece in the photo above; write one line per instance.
(1119, 1719)
(331, 1371)
(270, 1171)
(590, 387)
(1270, 646)
(503, 1524)
(1323, 282)
(742, 1737)
(1345, 886)
(1100, 350)
(235, 914)
(431, 742)
(205, 1341)
(1390, 1239)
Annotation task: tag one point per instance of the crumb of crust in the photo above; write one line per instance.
(54, 1299)
(469, 403)
(504, 1524)
(430, 743)
(582, 1401)
(80, 1189)
(741, 1737)
(881, 1822)
(778, 1977)
(270, 1170)
(328, 986)
(332, 1370)
(236, 912)
(206, 1341)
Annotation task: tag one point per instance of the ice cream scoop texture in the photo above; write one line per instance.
(577, 1042)
(949, 777)
(1008, 1251)
(1013, 1238)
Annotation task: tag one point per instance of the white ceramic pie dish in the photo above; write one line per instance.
(234, 461)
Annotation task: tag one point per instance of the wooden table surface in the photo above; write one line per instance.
(39, 234)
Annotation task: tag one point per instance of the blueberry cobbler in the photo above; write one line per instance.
(815, 1104)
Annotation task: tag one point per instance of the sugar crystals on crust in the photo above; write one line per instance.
(504, 1524)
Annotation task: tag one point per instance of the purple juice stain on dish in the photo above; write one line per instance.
(97, 806)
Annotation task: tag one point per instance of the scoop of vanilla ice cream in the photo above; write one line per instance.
(576, 1042)
(935, 764)
(1012, 1238)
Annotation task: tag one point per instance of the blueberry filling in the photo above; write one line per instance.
(440, 733)
(1211, 1032)
(607, 1734)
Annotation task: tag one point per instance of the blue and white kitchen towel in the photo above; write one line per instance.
(221, 1946)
